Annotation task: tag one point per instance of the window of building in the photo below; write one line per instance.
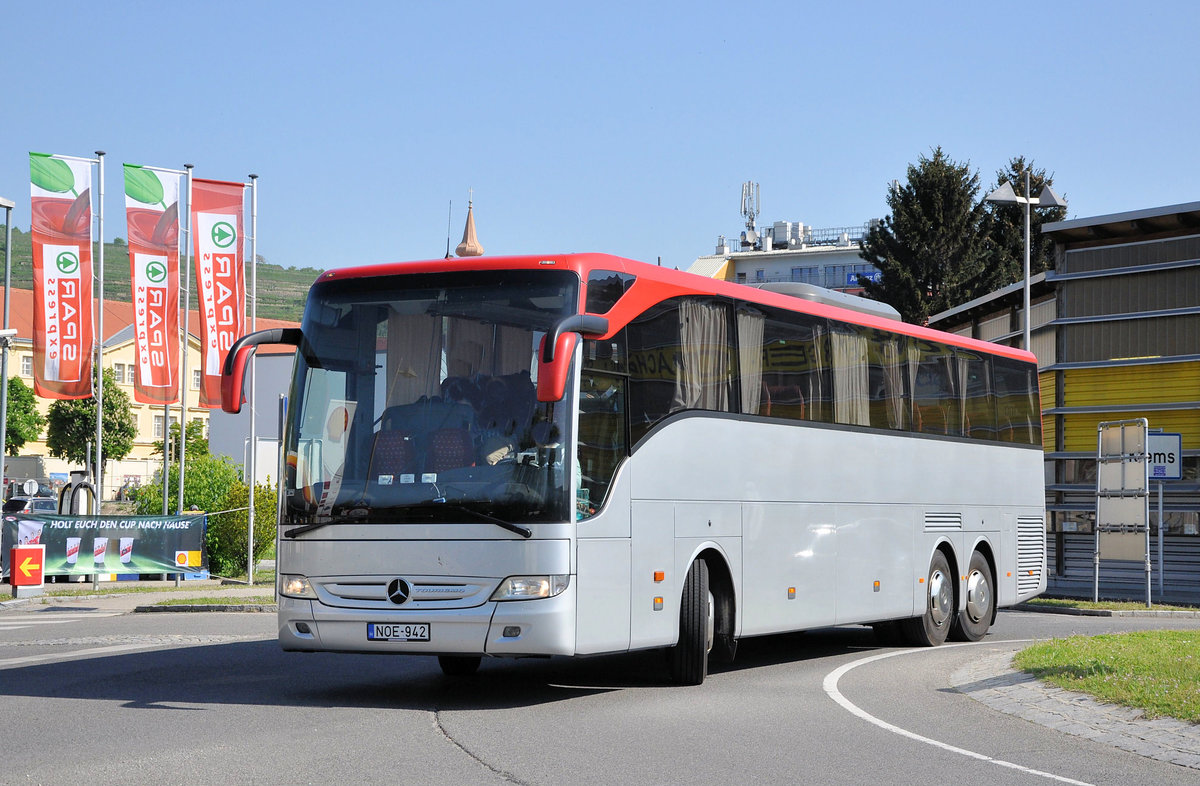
(158, 426)
(27, 365)
(131, 373)
(197, 376)
(119, 372)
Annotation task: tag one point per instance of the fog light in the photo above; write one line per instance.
(511, 631)
(302, 627)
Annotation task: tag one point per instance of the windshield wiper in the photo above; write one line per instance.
(524, 532)
(300, 531)
(440, 504)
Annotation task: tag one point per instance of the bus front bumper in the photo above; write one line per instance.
(545, 626)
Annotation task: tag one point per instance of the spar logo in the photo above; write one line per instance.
(156, 272)
(223, 234)
(67, 263)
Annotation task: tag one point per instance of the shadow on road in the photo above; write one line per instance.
(259, 673)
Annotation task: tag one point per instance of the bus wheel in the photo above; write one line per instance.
(972, 623)
(689, 658)
(459, 665)
(931, 628)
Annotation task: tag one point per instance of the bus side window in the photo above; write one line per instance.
(602, 440)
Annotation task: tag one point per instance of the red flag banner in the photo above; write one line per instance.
(220, 279)
(152, 216)
(61, 195)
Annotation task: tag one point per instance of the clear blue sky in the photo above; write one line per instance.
(619, 127)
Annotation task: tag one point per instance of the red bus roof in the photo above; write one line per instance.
(655, 284)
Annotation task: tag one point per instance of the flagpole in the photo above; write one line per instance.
(253, 469)
(99, 477)
(187, 301)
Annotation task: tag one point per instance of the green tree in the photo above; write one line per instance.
(24, 423)
(71, 425)
(197, 443)
(1004, 227)
(206, 481)
(929, 249)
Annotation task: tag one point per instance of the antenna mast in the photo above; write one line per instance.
(751, 206)
(449, 216)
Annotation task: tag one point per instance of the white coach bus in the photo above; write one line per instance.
(582, 454)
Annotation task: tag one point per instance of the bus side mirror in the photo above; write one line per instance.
(233, 371)
(233, 382)
(558, 350)
(552, 374)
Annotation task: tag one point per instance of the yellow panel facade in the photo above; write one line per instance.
(1046, 386)
(1149, 384)
(1080, 429)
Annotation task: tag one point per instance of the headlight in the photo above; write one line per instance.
(528, 587)
(296, 587)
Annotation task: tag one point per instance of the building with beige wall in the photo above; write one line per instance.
(119, 356)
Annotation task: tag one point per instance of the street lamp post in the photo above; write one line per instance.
(1047, 198)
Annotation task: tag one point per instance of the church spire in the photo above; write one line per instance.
(469, 247)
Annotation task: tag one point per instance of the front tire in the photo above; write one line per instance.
(972, 622)
(932, 627)
(689, 658)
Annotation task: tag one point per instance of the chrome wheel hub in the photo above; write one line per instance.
(979, 598)
(941, 598)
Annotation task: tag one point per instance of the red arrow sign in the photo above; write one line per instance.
(27, 564)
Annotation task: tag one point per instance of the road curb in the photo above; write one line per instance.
(1039, 609)
(235, 607)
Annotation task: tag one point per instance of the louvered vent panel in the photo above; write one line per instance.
(1031, 554)
(943, 522)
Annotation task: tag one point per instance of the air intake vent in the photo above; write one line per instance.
(1031, 554)
(943, 522)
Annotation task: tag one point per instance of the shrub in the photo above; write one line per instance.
(226, 536)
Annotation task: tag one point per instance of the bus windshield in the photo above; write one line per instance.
(414, 401)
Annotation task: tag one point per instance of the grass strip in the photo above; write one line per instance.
(220, 600)
(1155, 671)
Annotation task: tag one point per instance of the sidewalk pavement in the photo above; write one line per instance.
(990, 679)
(233, 597)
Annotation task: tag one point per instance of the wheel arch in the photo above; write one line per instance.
(725, 598)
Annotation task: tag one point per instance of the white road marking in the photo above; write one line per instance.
(831, 688)
(88, 653)
(30, 620)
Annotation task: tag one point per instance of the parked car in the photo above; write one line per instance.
(31, 505)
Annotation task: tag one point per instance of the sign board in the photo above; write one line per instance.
(857, 279)
(1122, 496)
(27, 563)
(88, 545)
(1165, 456)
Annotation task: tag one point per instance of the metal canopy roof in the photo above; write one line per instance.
(1136, 224)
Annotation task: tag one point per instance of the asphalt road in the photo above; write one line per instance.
(93, 696)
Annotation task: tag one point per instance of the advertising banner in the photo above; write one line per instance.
(81, 545)
(217, 208)
(152, 216)
(61, 196)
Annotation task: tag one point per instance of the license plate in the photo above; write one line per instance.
(391, 631)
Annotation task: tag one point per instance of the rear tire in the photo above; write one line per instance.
(972, 623)
(689, 658)
(932, 627)
(459, 665)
